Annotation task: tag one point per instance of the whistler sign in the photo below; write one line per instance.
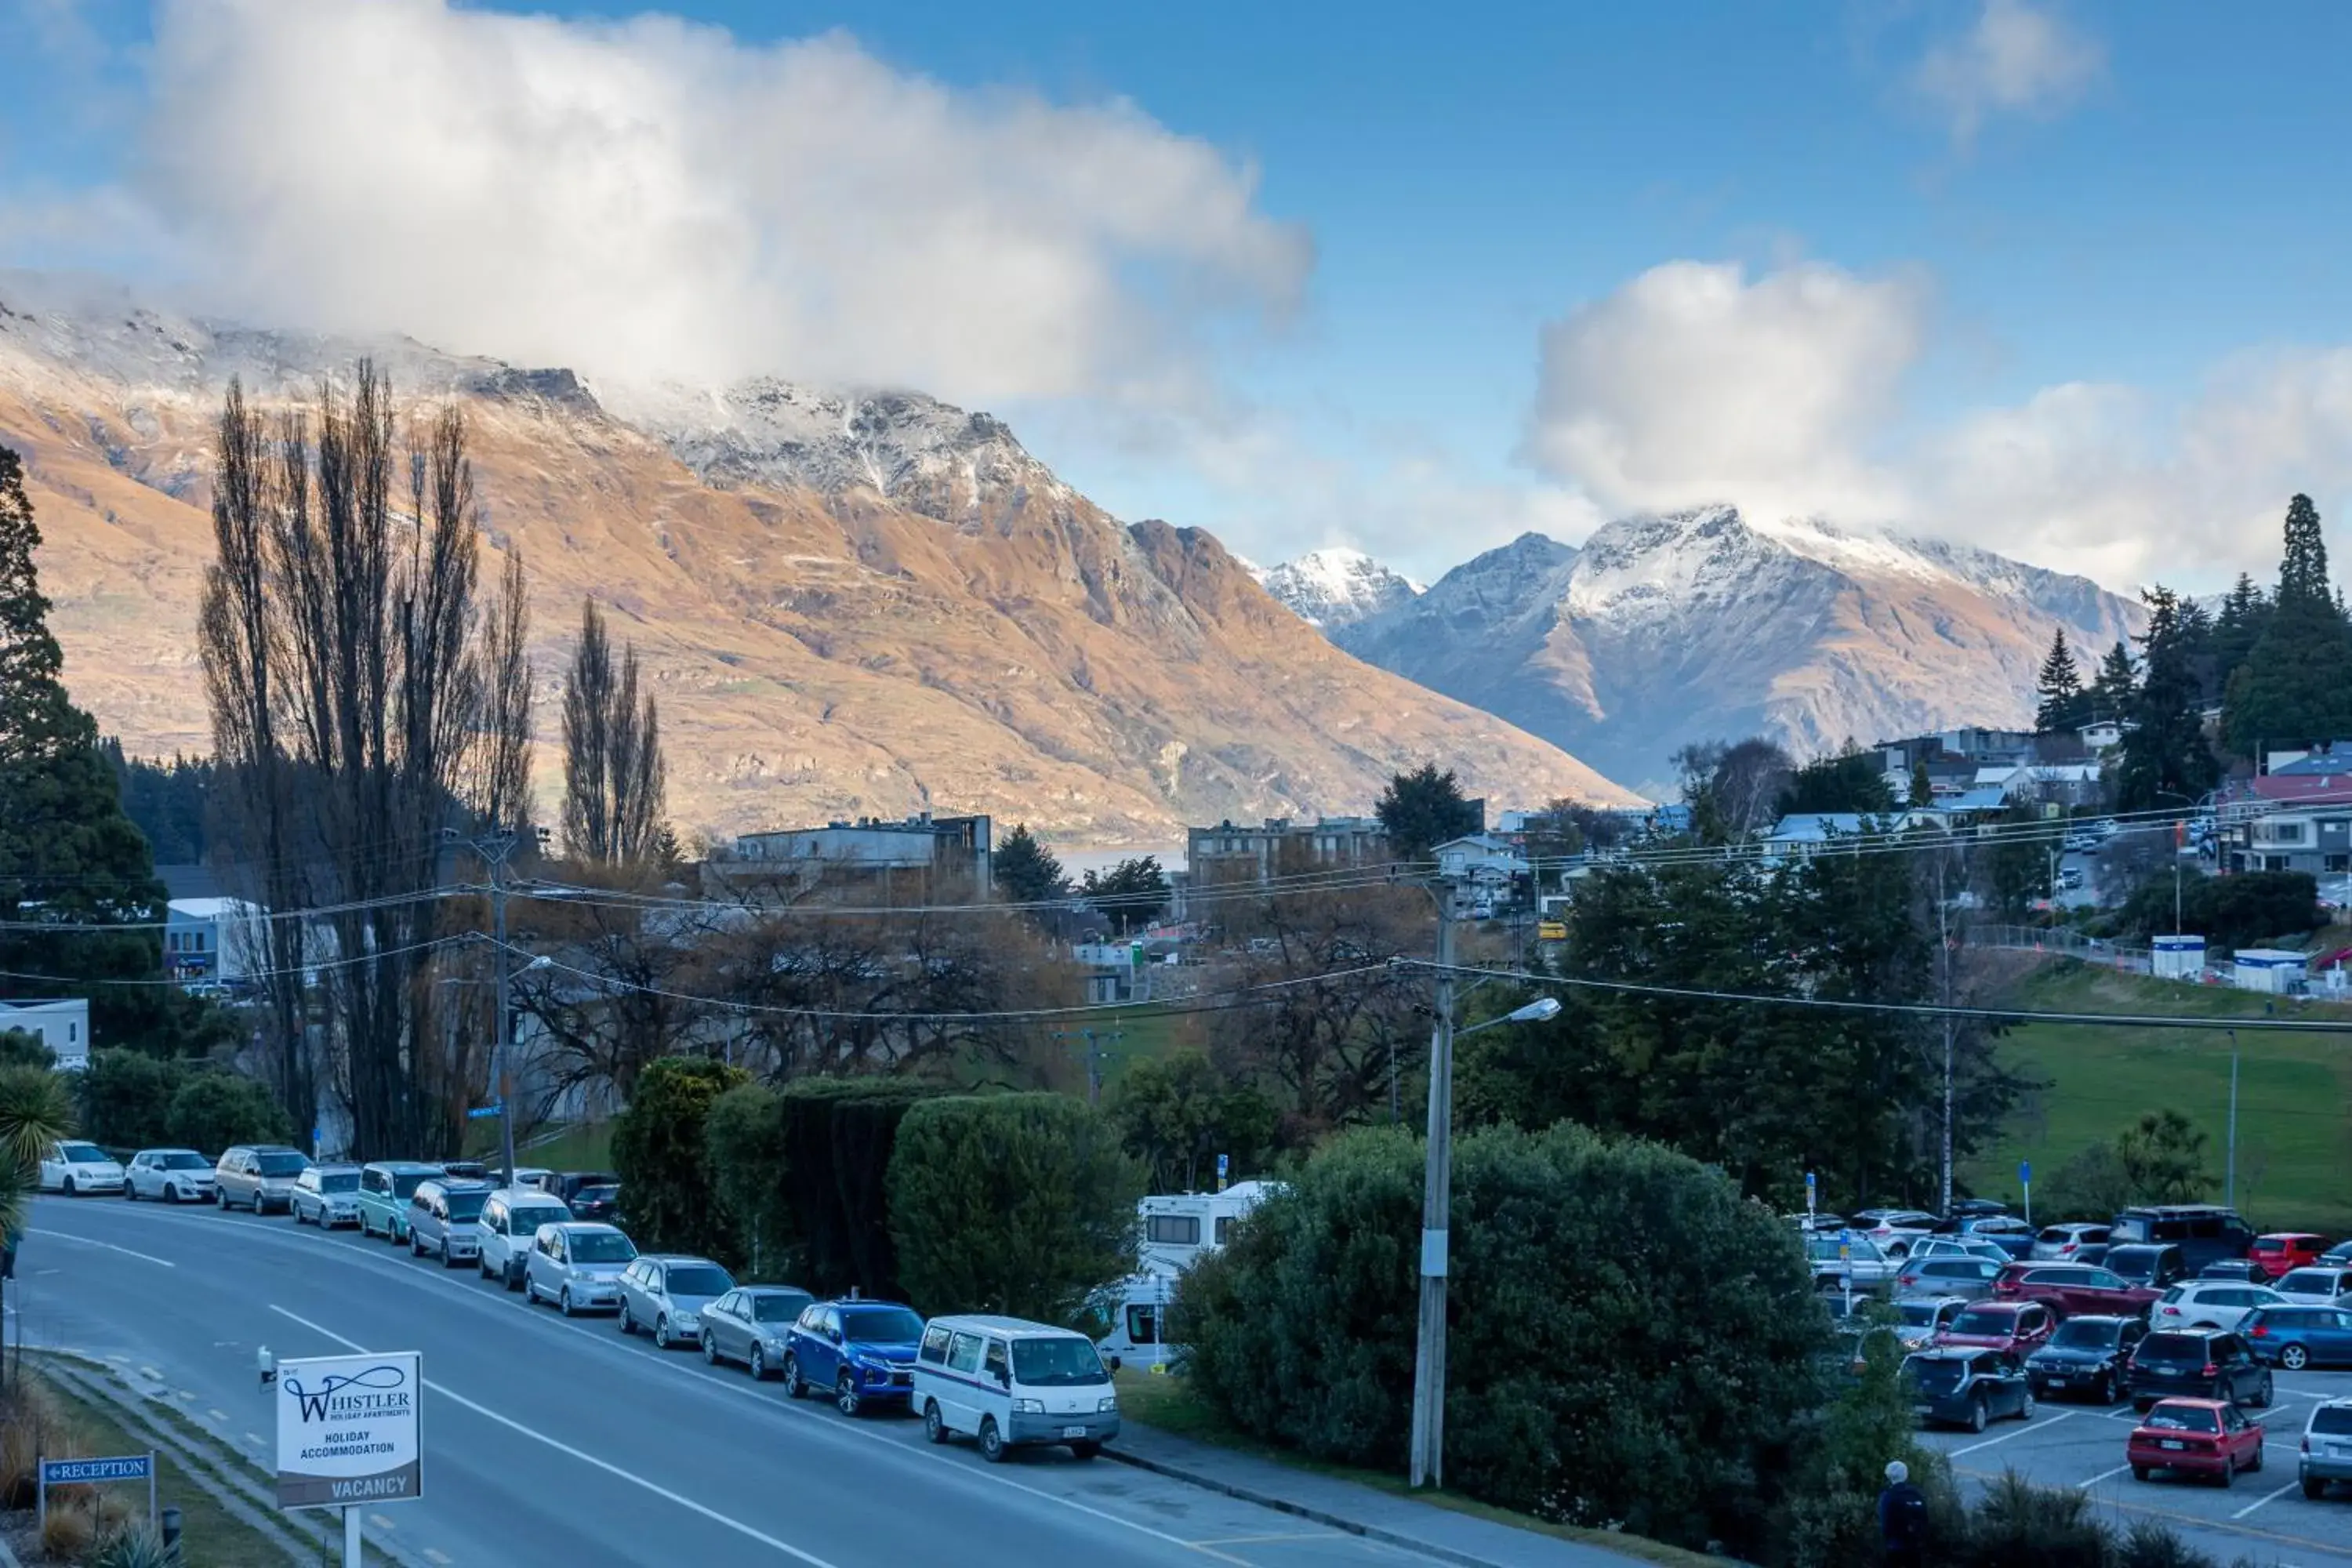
(348, 1430)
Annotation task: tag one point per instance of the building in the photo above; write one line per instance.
(1481, 860)
(61, 1022)
(950, 846)
(2269, 969)
(206, 942)
(2289, 822)
(1228, 854)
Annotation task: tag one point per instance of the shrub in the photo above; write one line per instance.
(2148, 1544)
(660, 1154)
(125, 1098)
(137, 1547)
(1686, 1314)
(2241, 910)
(744, 1145)
(1021, 1204)
(214, 1109)
(2018, 1525)
(838, 1137)
(23, 1049)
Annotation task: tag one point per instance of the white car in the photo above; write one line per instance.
(1896, 1231)
(1961, 1247)
(2316, 1285)
(2209, 1304)
(2059, 1243)
(509, 1221)
(1849, 1258)
(73, 1168)
(170, 1175)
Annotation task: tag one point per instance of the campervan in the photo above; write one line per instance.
(1178, 1227)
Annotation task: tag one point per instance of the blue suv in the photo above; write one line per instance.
(862, 1351)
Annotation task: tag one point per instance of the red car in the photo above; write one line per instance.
(2074, 1289)
(2018, 1327)
(2283, 1250)
(2195, 1436)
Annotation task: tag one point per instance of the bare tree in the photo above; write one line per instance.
(501, 792)
(614, 781)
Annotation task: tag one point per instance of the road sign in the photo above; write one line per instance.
(349, 1430)
(2024, 1172)
(484, 1112)
(1221, 1173)
(94, 1472)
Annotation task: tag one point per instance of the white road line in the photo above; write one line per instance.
(2260, 1500)
(68, 1235)
(484, 1411)
(2022, 1428)
(2102, 1476)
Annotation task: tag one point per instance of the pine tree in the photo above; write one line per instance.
(2059, 685)
(2111, 694)
(2166, 761)
(1026, 871)
(2245, 611)
(2296, 684)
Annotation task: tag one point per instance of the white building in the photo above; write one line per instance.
(1480, 858)
(206, 941)
(2269, 969)
(61, 1022)
(2178, 957)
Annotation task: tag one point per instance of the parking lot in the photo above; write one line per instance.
(2264, 1517)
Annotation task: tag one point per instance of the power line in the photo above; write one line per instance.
(78, 980)
(253, 912)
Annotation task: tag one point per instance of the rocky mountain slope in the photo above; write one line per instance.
(851, 605)
(1337, 587)
(1707, 624)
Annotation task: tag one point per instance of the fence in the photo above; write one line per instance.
(2070, 944)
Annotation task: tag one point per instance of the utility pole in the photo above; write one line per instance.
(495, 847)
(2230, 1184)
(1094, 1056)
(1944, 941)
(1436, 1207)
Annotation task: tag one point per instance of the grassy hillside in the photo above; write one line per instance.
(2294, 1091)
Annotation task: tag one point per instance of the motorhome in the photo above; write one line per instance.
(1178, 1227)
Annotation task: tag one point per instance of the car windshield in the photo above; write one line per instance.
(699, 1279)
(1935, 1376)
(339, 1181)
(2080, 1333)
(881, 1325)
(526, 1222)
(82, 1153)
(405, 1185)
(1919, 1314)
(1056, 1362)
(186, 1161)
(281, 1165)
(2184, 1419)
(467, 1207)
(2136, 1267)
(1974, 1321)
(2333, 1419)
(779, 1306)
(601, 1246)
(2310, 1282)
(598, 1195)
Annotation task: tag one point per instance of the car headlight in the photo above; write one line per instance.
(1028, 1407)
(1107, 1404)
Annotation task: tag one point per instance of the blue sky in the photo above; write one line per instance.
(2059, 277)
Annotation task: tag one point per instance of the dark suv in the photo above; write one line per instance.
(2085, 1357)
(2205, 1233)
(1966, 1387)
(2151, 1267)
(2197, 1363)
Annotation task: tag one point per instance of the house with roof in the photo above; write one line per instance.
(1481, 860)
(60, 1023)
(2289, 821)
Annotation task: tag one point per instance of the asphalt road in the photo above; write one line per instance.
(559, 1442)
(2264, 1517)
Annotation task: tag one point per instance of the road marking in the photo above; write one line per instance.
(434, 1554)
(2102, 1476)
(2260, 1500)
(2022, 1428)
(254, 1438)
(380, 1522)
(2122, 1503)
(68, 1235)
(585, 1457)
(1261, 1540)
(220, 1415)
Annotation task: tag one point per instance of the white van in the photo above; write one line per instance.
(1008, 1384)
(509, 1220)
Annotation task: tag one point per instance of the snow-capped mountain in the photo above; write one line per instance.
(1706, 624)
(1337, 587)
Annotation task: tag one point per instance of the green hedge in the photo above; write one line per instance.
(667, 1203)
(838, 1136)
(129, 1100)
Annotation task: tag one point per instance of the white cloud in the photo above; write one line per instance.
(652, 197)
(2018, 58)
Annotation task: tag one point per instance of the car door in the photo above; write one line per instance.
(2240, 1438)
(2244, 1374)
(2014, 1387)
(2329, 1339)
(2033, 1326)
(809, 1348)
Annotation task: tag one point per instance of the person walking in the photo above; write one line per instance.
(1902, 1519)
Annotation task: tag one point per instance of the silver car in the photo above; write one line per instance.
(577, 1265)
(259, 1176)
(2059, 1243)
(170, 1175)
(1949, 1275)
(327, 1196)
(441, 1220)
(749, 1325)
(665, 1296)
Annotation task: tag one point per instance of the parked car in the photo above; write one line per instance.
(2321, 1286)
(863, 1350)
(2341, 1253)
(1946, 1275)
(1920, 1319)
(2197, 1437)
(2205, 1233)
(2298, 1337)
(510, 1217)
(327, 1196)
(2091, 1252)
(385, 1188)
(665, 1295)
(750, 1323)
(1894, 1230)
(2059, 1243)
(577, 1267)
(1848, 1258)
(2068, 1288)
(171, 1176)
(567, 1184)
(465, 1170)
(597, 1202)
(2018, 1328)
(2012, 1235)
(2284, 1251)
(441, 1220)
(2196, 1364)
(531, 1176)
(2327, 1450)
(1970, 1388)
(2086, 1355)
(2242, 1270)
(1009, 1384)
(1977, 1208)
(259, 1176)
(73, 1167)
(2211, 1304)
(2159, 1268)
(1959, 1247)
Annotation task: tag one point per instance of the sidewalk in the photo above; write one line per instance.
(1434, 1531)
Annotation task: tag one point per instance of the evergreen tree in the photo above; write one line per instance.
(2061, 689)
(2296, 684)
(1130, 895)
(2245, 611)
(67, 853)
(1026, 871)
(2112, 693)
(1854, 780)
(1923, 788)
(1423, 809)
(2165, 760)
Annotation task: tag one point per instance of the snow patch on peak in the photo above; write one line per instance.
(1337, 587)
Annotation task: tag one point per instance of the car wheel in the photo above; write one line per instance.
(844, 1394)
(1978, 1415)
(129, 1193)
(628, 1324)
(448, 1258)
(794, 1387)
(220, 1197)
(170, 1192)
(661, 1331)
(2257, 1466)
(991, 1441)
(72, 1188)
(415, 1245)
(2295, 1358)
(2107, 1389)
(2139, 1472)
(2313, 1489)
(710, 1349)
(2229, 1476)
(758, 1363)
(1085, 1450)
(2262, 1394)
(563, 1302)
(935, 1427)
(515, 1277)
(2025, 1410)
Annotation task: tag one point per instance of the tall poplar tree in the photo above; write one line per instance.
(2296, 684)
(614, 781)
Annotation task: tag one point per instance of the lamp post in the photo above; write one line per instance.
(2230, 1181)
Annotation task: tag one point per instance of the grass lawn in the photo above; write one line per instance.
(583, 1146)
(2294, 1091)
(1169, 1404)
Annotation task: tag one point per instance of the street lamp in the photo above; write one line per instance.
(1535, 1012)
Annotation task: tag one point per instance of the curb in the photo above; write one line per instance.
(1301, 1510)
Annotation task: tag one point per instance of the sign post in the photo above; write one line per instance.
(349, 1435)
(2025, 1180)
(94, 1472)
(1812, 1191)
(1222, 1166)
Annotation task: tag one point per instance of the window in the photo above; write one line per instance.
(1143, 1325)
(1224, 1229)
(1181, 1229)
(935, 1346)
(997, 1368)
(2339, 862)
(964, 1353)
